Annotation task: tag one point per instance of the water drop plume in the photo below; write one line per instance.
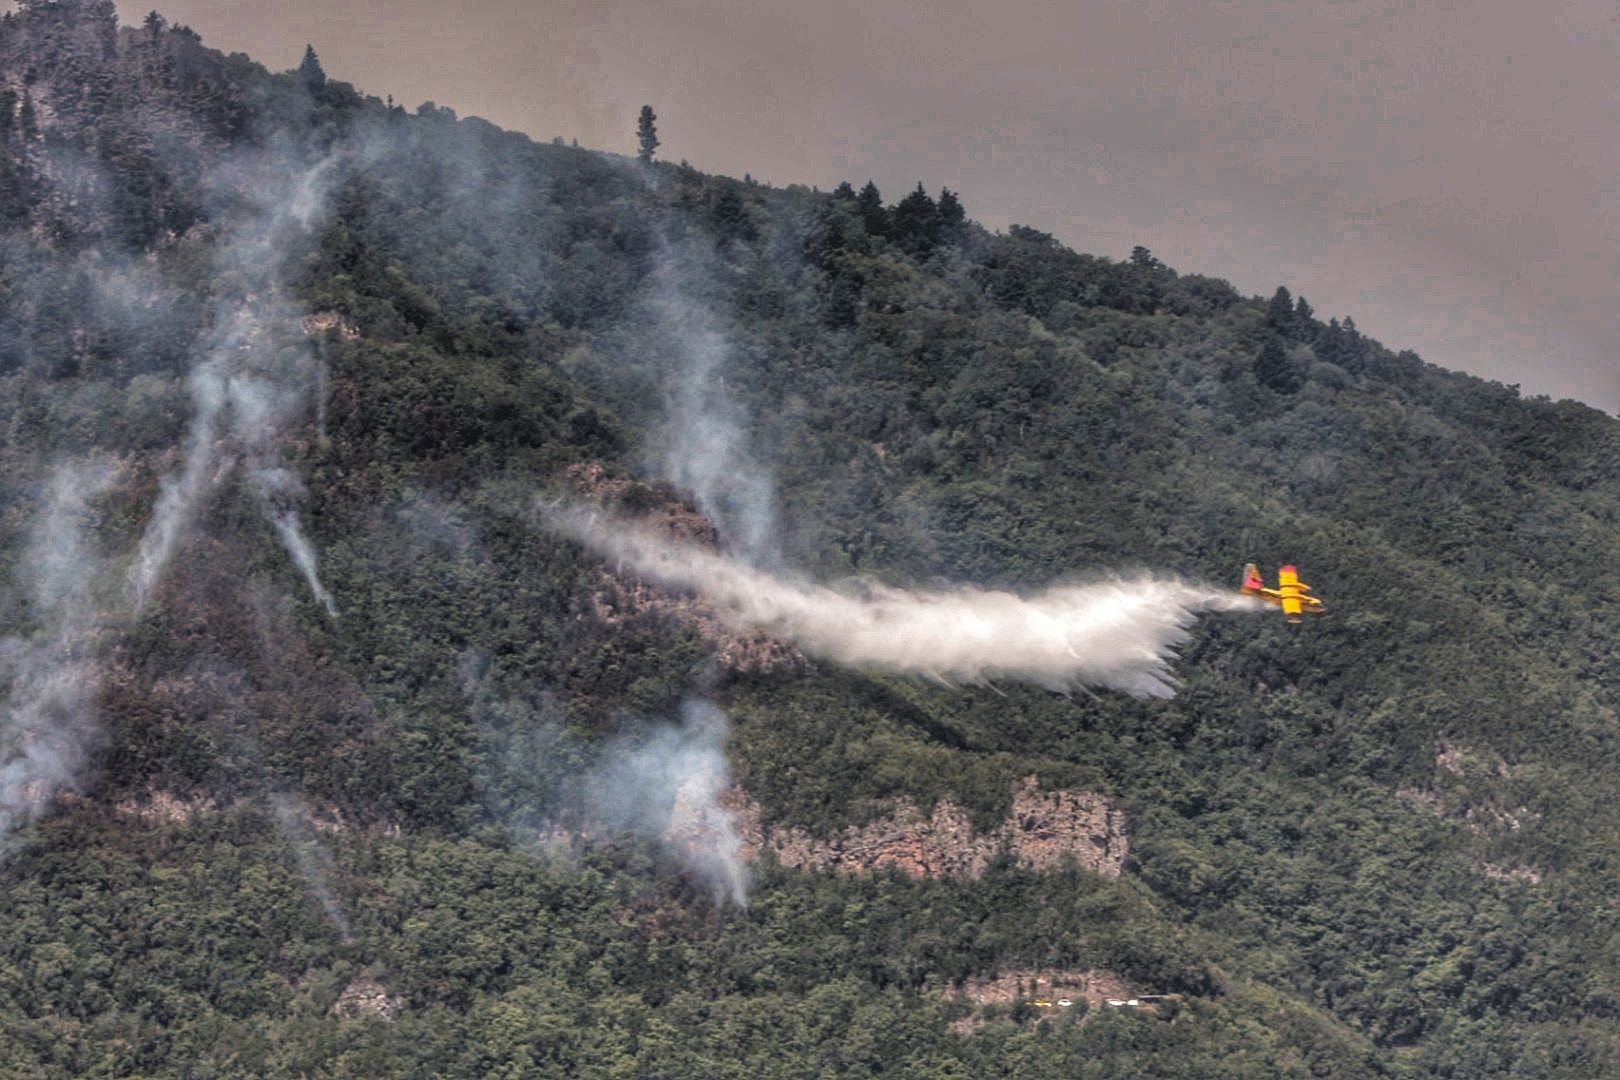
(1118, 634)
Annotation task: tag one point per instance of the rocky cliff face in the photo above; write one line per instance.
(1050, 993)
(1006, 987)
(367, 997)
(1043, 828)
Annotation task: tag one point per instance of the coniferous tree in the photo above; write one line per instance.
(1139, 285)
(730, 216)
(310, 72)
(1280, 312)
(1303, 314)
(916, 222)
(102, 16)
(27, 118)
(873, 214)
(1144, 259)
(152, 28)
(1353, 347)
(1274, 368)
(952, 216)
(646, 134)
(1330, 343)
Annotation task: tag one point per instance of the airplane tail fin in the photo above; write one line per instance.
(1252, 581)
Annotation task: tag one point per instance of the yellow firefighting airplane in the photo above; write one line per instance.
(1291, 594)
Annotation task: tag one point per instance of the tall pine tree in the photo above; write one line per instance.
(646, 134)
(952, 217)
(916, 222)
(310, 72)
(873, 214)
(1280, 312)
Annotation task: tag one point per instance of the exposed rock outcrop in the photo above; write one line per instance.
(1051, 987)
(1095, 987)
(367, 997)
(1465, 761)
(1508, 873)
(1467, 786)
(1473, 786)
(157, 806)
(1043, 828)
(160, 807)
(321, 321)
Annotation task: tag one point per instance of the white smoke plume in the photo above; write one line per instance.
(315, 864)
(49, 725)
(703, 447)
(663, 782)
(666, 785)
(179, 493)
(246, 388)
(277, 489)
(1120, 634)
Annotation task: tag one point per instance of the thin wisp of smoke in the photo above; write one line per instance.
(246, 390)
(314, 862)
(1119, 634)
(179, 492)
(660, 781)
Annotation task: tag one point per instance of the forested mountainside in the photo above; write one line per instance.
(311, 712)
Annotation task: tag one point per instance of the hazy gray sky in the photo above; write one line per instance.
(1444, 172)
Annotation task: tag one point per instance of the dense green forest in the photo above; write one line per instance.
(304, 695)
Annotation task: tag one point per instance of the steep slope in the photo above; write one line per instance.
(283, 370)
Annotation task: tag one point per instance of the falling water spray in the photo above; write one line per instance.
(314, 862)
(1119, 634)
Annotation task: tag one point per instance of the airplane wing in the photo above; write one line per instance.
(1288, 585)
(1295, 595)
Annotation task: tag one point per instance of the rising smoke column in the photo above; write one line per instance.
(246, 388)
(703, 446)
(666, 785)
(662, 781)
(314, 862)
(1119, 634)
(245, 391)
(49, 724)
